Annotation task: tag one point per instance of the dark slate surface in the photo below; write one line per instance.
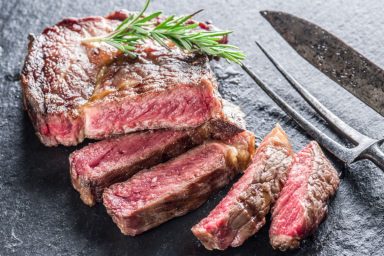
(40, 214)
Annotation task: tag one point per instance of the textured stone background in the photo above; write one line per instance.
(40, 214)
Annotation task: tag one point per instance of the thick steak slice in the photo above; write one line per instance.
(302, 203)
(103, 163)
(242, 212)
(172, 189)
(74, 90)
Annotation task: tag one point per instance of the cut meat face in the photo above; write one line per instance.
(187, 107)
(172, 189)
(302, 204)
(242, 212)
(103, 163)
(74, 90)
(100, 164)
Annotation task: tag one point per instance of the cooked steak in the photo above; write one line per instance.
(242, 212)
(172, 189)
(74, 90)
(103, 163)
(302, 203)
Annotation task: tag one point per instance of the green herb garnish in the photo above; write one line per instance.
(137, 28)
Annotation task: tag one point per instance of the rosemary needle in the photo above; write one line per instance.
(137, 28)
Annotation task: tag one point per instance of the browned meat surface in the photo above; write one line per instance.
(172, 189)
(74, 90)
(242, 212)
(302, 204)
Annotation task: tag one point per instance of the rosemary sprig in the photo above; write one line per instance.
(137, 28)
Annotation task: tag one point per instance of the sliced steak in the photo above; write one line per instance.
(103, 163)
(172, 189)
(242, 212)
(302, 203)
(74, 90)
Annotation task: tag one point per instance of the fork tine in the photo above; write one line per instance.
(335, 148)
(336, 123)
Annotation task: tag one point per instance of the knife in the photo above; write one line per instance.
(333, 57)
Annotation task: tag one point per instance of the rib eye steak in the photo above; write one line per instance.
(302, 203)
(103, 163)
(74, 90)
(100, 164)
(172, 189)
(242, 211)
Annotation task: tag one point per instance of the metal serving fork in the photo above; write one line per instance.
(365, 147)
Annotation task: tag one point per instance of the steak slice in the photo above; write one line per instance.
(100, 164)
(103, 163)
(172, 189)
(302, 203)
(74, 90)
(242, 211)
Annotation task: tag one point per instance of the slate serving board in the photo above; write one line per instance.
(40, 213)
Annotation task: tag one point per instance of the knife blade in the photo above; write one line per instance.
(333, 57)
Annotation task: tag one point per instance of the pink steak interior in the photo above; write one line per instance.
(289, 215)
(163, 179)
(184, 106)
(100, 158)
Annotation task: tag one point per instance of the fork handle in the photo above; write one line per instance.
(376, 155)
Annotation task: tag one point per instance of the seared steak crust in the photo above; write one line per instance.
(242, 212)
(302, 204)
(176, 187)
(74, 90)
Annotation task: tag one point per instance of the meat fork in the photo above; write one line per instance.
(365, 147)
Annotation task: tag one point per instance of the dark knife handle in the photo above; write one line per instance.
(375, 154)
